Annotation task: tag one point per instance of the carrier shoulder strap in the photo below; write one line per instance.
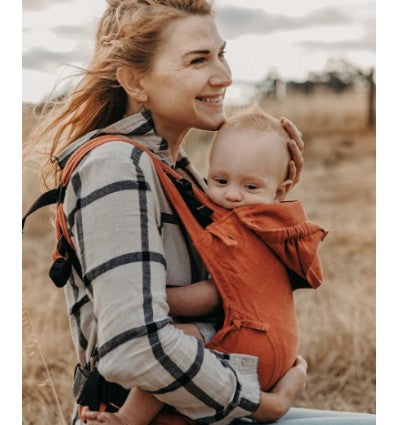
(186, 199)
(51, 197)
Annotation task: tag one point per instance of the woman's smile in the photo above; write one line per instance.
(212, 100)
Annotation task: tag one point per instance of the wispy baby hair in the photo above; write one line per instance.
(254, 118)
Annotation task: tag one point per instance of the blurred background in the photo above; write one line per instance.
(312, 61)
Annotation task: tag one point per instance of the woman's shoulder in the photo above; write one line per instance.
(112, 164)
(117, 157)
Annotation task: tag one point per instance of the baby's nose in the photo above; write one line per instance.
(233, 195)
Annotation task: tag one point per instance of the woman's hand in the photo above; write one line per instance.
(296, 148)
(276, 403)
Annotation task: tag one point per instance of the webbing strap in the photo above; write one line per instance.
(163, 171)
(48, 198)
(201, 212)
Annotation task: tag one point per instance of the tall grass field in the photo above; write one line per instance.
(336, 321)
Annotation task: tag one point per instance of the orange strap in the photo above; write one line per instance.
(174, 197)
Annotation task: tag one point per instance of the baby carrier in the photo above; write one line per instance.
(256, 255)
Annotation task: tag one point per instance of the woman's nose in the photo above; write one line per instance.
(221, 75)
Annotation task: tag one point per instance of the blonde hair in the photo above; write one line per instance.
(129, 34)
(254, 118)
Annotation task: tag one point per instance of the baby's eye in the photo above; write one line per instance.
(221, 181)
(251, 186)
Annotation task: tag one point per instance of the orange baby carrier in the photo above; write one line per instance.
(256, 255)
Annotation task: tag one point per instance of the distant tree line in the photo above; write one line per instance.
(339, 76)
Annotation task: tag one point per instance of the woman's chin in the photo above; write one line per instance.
(213, 124)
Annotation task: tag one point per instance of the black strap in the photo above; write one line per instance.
(113, 395)
(53, 196)
(199, 211)
(91, 389)
(61, 269)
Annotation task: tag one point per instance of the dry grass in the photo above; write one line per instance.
(337, 321)
(324, 111)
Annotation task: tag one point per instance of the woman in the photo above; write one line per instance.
(158, 70)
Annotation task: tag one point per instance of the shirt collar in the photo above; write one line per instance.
(141, 128)
(135, 127)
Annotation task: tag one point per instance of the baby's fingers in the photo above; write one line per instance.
(112, 419)
(90, 417)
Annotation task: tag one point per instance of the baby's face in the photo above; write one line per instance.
(245, 168)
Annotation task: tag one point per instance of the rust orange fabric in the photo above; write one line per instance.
(248, 252)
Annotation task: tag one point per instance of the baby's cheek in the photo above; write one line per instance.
(265, 198)
(213, 194)
(209, 192)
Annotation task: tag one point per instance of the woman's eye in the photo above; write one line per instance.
(222, 53)
(197, 60)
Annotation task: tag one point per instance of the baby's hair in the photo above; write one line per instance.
(254, 118)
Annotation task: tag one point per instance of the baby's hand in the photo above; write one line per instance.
(97, 418)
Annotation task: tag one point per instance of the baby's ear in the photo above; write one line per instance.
(282, 190)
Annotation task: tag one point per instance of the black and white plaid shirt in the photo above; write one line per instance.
(130, 247)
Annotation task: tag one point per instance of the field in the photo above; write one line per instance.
(337, 321)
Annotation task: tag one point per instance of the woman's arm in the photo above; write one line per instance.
(113, 209)
(196, 299)
(276, 403)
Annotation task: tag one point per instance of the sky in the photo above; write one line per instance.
(289, 36)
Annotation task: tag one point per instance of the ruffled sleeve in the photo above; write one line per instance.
(292, 238)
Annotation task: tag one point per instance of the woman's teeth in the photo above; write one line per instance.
(210, 99)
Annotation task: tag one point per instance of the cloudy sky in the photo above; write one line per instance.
(290, 36)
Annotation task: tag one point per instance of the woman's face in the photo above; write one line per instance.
(186, 85)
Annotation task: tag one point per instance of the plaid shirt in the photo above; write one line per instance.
(130, 246)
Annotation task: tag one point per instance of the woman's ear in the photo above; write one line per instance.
(131, 84)
(282, 190)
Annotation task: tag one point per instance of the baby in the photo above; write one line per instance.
(249, 161)
(248, 165)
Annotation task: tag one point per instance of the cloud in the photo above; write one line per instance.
(75, 32)
(40, 4)
(359, 44)
(44, 60)
(236, 21)
(366, 42)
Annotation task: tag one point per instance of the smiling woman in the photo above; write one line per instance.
(192, 75)
(158, 70)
